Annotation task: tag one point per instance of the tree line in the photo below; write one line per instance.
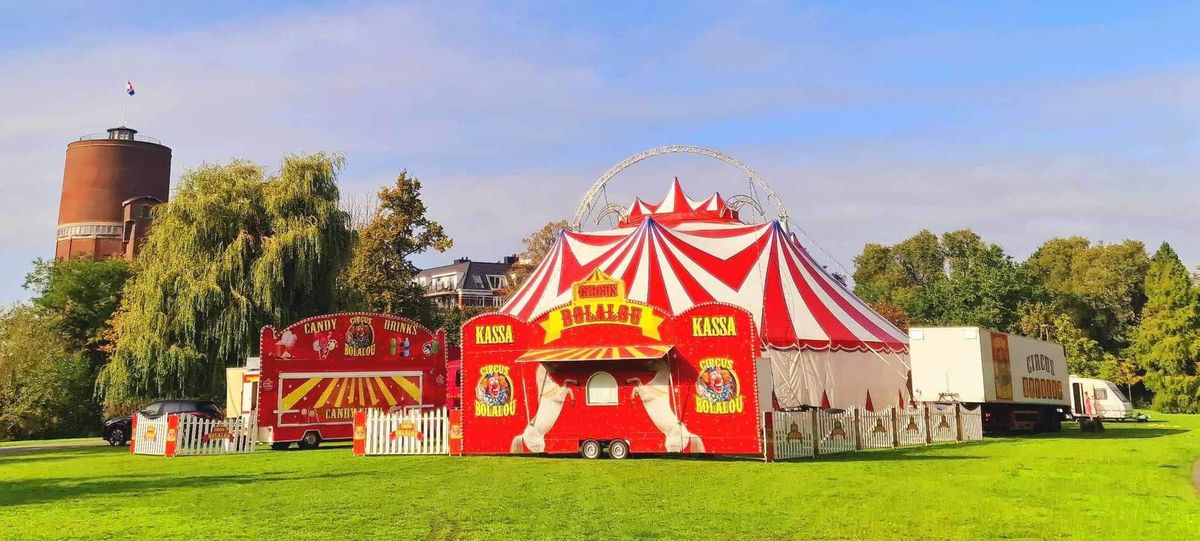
(1120, 314)
(236, 248)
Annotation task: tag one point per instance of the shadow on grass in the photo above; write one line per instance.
(65, 453)
(1124, 433)
(34, 491)
(897, 454)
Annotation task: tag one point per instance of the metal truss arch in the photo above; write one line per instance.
(593, 196)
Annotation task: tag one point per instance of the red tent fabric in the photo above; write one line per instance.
(682, 252)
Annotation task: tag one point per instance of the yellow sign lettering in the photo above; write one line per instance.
(714, 326)
(494, 334)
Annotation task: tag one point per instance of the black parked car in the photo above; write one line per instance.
(117, 430)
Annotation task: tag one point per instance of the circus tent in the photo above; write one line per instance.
(827, 347)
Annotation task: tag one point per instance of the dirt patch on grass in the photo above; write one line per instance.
(1196, 477)
(16, 450)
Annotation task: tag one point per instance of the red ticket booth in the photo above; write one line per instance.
(606, 374)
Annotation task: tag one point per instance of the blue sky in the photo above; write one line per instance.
(1022, 121)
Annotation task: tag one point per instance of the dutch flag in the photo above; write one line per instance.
(129, 87)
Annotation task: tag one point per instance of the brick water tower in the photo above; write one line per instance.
(110, 183)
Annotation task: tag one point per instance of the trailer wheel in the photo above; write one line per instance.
(310, 441)
(590, 449)
(618, 449)
(281, 445)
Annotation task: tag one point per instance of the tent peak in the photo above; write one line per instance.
(677, 207)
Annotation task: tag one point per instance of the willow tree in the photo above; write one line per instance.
(232, 251)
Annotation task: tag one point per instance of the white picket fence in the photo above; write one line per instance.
(837, 432)
(791, 434)
(972, 424)
(199, 436)
(876, 430)
(194, 435)
(943, 423)
(149, 435)
(418, 432)
(911, 427)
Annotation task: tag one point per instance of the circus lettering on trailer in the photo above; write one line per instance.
(494, 334)
(493, 392)
(360, 337)
(713, 326)
(717, 389)
(600, 300)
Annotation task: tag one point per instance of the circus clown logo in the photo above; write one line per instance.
(600, 299)
(717, 389)
(494, 392)
(360, 337)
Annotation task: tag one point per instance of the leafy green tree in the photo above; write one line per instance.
(452, 320)
(1100, 286)
(380, 275)
(45, 386)
(902, 274)
(893, 313)
(955, 280)
(80, 295)
(232, 251)
(983, 286)
(1085, 357)
(1167, 341)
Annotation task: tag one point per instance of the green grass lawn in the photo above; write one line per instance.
(1132, 482)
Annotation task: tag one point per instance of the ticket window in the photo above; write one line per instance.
(601, 390)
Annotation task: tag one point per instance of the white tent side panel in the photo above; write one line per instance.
(801, 376)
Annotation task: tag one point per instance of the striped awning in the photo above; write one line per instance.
(602, 353)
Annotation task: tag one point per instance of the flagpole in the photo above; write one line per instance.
(124, 106)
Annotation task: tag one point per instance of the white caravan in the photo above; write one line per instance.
(1091, 397)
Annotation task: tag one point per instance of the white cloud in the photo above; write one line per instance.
(507, 122)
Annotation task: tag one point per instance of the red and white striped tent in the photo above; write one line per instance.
(827, 347)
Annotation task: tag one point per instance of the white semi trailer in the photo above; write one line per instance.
(1020, 383)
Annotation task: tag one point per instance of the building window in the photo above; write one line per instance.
(144, 212)
(495, 281)
(602, 390)
(477, 280)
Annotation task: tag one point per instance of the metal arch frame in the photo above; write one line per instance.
(589, 198)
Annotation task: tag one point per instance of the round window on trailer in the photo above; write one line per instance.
(602, 390)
